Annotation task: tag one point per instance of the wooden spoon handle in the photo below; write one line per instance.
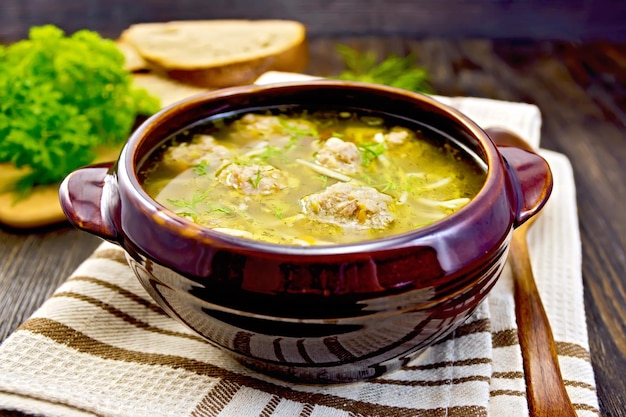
(545, 390)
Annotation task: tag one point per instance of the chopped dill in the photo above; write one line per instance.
(219, 209)
(189, 215)
(201, 169)
(382, 184)
(256, 179)
(190, 204)
(370, 151)
(322, 178)
(296, 132)
(279, 211)
(271, 152)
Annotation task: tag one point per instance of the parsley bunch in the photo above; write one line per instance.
(60, 98)
(395, 71)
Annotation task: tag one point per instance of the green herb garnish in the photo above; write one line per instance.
(389, 185)
(201, 169)
(370, 151)
(395, 71)
(190, 204)
(220, 209)
(279, 211)
(256, 179)
(322, 178)
(382, 184)
(296, 132)
(271, 152)
(62, 97)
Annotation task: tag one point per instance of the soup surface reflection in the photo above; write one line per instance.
(311, 178)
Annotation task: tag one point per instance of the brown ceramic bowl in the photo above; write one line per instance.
(313, 314)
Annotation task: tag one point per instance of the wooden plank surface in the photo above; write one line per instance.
(581, 91)
(525, 19)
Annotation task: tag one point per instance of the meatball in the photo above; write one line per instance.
(350, 205)
(273, 127)
(396, 136)
(339, 155)
(200, 148)
(261, 124)
(253, 179)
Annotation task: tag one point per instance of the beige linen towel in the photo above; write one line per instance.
(100, 347)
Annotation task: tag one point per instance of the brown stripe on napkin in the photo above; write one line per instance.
(468, 328)
(223, 394)
(430, 383)
(509, 337)
(215, 401)
(270, 407)
(573, 350)
(505, 392)
(62, 334)
(579, 384)
(114, 254)
(504, 338)
(124, 316)
(586, 407)
(507, 375)
(76, 340)
(116, 288)
(446, 364)
(307, 410)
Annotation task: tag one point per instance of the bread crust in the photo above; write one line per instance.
(290, 54)
(240, 73)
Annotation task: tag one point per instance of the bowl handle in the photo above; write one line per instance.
(531, 174)
(88, 196)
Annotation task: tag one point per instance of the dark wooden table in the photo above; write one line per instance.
(581, 91)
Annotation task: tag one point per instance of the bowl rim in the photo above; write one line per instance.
(127, 166)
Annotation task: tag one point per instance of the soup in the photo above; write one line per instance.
(305, 177)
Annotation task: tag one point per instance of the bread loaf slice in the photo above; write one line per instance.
(168, 91)
(133, 62)
(219, 53)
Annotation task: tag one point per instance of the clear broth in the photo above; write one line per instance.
(305, 177)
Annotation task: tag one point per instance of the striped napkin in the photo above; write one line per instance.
(100, 346)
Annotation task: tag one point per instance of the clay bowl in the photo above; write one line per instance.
(313, 314)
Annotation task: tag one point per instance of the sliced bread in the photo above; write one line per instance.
(168, 91)
(133, 62)
(219, 53)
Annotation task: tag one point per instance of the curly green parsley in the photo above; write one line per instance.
(60, 98)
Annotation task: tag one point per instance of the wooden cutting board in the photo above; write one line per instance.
(40, 207)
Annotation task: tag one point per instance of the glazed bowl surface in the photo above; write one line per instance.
(315, 314)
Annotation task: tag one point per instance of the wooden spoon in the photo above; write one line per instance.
(545, 389)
